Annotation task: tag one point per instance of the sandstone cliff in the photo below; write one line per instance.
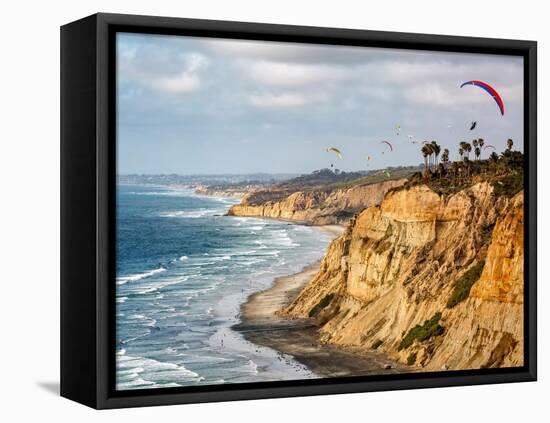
(435, 281)
(219, 192)
(316, 207)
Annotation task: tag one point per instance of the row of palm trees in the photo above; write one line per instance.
(465, 148)
(431, 151)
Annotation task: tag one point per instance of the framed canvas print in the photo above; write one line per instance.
(256, 211)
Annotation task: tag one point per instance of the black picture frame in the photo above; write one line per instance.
(88, 148)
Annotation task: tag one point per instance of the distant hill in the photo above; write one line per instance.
(324, 196)
(327, 180)
(319, 178)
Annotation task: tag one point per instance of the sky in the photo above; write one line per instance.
(190, 105)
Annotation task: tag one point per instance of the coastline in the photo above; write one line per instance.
(299, 337)
(330, 227)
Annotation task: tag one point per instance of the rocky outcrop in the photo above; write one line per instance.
(316, 207)
(217, 192)
(435, 281)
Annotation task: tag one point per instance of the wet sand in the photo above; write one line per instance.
(299, 338)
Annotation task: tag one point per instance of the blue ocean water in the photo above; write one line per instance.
(183, 270)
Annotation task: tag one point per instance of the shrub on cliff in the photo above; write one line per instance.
(376, 344)
(463, 286)
(423, 332)
(411, 359)
(510, 185)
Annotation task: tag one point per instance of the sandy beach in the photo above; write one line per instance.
(299, 338)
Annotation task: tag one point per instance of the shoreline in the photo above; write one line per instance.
(299, 337)
(294, 221)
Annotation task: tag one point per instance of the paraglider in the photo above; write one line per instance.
(389, 145)
(368, 158)
(492, 92)
(489, 146)
(473, 125)
(335, 150)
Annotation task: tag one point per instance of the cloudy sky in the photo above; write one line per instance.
(197, 105)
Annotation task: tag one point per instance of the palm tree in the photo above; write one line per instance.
(467, 149)
(477, 152)
(493, 157)
(480, 142)
(436, 150)
(475, 144)
(463, 147)
(445, 160)
(425, 153)
(510, 144)
(429, 154)
(445, 156)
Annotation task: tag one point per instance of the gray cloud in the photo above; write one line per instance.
(236, 106)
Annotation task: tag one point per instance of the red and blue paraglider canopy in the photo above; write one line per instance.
(490, 90)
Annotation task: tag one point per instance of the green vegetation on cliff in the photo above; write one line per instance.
(463, 286)
(376, 344)
(504, 172)
(423, 332)
(411, 359)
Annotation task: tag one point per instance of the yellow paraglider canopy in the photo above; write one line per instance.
(335, 150)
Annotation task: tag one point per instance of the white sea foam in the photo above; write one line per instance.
(270, 253)
(253, 367)
(281, 237)
(133, 278)
(134, 338)
(221, 258)
(139, 372)
(187, 315)
(147, 321)
(192, 214)
(241, 219)
(167, 193)
(146, 288)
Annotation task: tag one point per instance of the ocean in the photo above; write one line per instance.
(183, 270)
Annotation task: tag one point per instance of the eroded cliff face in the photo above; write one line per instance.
(215, 192)
(398, 264)
(318, 207)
